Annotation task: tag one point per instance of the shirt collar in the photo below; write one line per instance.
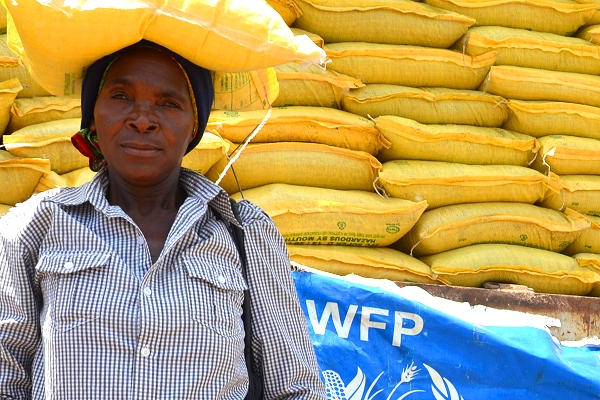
(199, 189)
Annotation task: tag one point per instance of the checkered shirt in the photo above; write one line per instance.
(85, 314)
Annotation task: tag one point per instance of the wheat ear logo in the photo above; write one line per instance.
(442, 388)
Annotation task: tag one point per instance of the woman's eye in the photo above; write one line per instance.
(119, 96)
(171, 104)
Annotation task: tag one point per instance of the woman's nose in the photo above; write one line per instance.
(142, 118)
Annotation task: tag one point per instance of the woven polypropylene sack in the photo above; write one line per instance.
(428, 105)
(523, 48)
(559, 17)
(589, 239)
(301, 124)
(309, 215)
(568, 155)
(542, 270)
(461, 225)
(537, 84)
(50, 140)
(377, 21)
(443, 184)
(20, 176)
(544, 118)
(303, 164)
(220, 35)
(207, 153)
(377, 263)
(579, 192)
(464, 144)
(36, 110)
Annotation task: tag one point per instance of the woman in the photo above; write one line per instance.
(130, 287)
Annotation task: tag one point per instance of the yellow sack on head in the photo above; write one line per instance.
(312, 86)
(376, 263)
(589, 239)
(394, 65)
(538, 84)
(443, 184)
(579, 192)
(19, 177)
(428, 105)
(559, 17)
(309, 215)
(301, 124)
(465, 144)
(303, 164)
(50, 140)
(523, 48)
(543, 271)
(544, 118)
(461, 225)
(568, 155)
(221, 35)
(380, 21)
(36, 110)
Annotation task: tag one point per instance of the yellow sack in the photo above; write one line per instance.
(393, 64)
(288, 10)
(543, 118)
(590, 33)
(207, 153)
(312, 86)
(543, 271)
(35, 110)
(443, 184)
(50, 140)
(19, 177)
(368, 262)
(318, 40)
(224, 35)
(245, 91)
(3, 19)
(70, 179)
(589, 239)
(381, 21)
(559, 17)
(11, 67)
(568, 155)
(301, 124)
(303, 164)
(591, 261)
(538, 84)
(465, 144)
(579, 192)
(309, 215)
(522, 48)
(428, 105)
(8, 93)
(4, 208)
(461, 225)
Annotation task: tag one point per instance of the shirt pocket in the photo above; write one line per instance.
(73, 287)
(216, 294)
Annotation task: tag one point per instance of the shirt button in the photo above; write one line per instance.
(221, 279)
(147, 291)
(145, 352)
(69, 265)
(140, 240)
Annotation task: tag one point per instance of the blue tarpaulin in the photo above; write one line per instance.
(374, 340)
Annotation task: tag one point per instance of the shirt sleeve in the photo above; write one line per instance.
(19, 315)
(281, 341)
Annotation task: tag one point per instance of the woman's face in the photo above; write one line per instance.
(144, 117)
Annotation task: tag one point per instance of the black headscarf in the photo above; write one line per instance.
(199, 78)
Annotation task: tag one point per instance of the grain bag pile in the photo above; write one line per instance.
(489, 162)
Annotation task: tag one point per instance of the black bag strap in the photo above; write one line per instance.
(255, 386)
